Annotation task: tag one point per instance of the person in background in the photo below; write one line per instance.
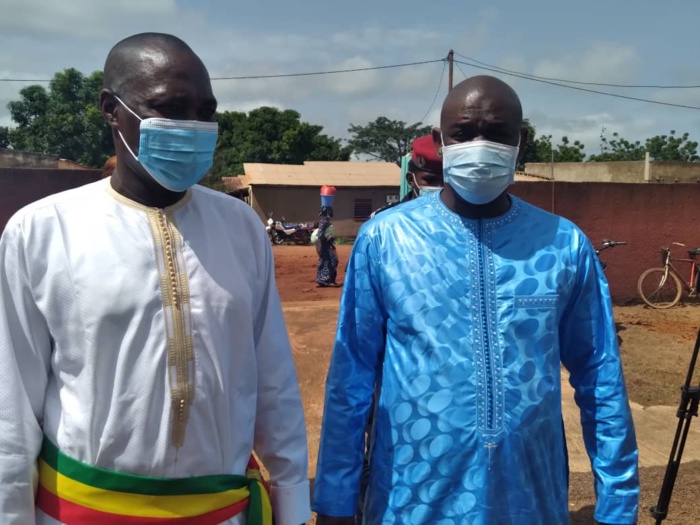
(143, 349)
(459, 309)
(424, 173)
(327, 270)
(109, 167)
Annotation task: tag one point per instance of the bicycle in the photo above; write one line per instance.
(666, 284)
(607, 244)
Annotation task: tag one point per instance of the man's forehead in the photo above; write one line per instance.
(482, 108)
(152, 56)
(478, 101)
(152, 60)
(159, 72)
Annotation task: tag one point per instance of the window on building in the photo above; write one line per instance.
(392, 198)
(362, 209)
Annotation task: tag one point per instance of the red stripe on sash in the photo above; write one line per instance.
(72, 514)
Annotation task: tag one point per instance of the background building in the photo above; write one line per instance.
(292, 191)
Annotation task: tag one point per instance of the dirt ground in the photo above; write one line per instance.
(655, 345)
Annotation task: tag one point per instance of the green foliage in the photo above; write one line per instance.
(385, 139)
(531, 153)
(618, 149)
(64, 120)
(671, 148)
(564, 152)
(668, 148)
(4, 137)
(269, 135)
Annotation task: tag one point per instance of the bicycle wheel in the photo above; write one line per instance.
(658, 292)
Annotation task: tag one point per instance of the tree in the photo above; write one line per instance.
(385, 139)
(4, 137)
(269, 135)
(618, 149)
(531, 153)
(564, 152)
(669, 148)
(64, 120)
(672, 149)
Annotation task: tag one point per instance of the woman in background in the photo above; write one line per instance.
(327, 271)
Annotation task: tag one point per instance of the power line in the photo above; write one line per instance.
(437, 91)
(649, 101)
(283, 75)
(332, 72)
(602, 84)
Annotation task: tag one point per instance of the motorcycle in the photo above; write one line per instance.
(281, 231)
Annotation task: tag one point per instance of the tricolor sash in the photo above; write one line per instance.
(75, 493)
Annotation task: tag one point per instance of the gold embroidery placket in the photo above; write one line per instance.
(174, 286)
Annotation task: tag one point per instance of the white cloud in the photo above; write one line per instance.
(477, 33)
(685, 97)
(587, 128)
(601, 62)
(77, 18)
(353, 84)
(433, 118)
(420, 79)
(372, 38)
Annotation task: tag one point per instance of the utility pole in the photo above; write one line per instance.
(451, 60)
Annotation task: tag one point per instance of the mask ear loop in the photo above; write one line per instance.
(415, 190)
(120, 131)
(127, 108)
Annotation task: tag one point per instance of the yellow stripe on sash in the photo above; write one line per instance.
(147, 506)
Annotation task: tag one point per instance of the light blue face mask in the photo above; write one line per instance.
(428, 190)
(479, 171)
(423, 190)
(176, 153)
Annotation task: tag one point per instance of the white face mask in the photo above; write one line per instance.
(479, 171)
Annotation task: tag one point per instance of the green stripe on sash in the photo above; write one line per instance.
(146, 485)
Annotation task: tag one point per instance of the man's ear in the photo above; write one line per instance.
(524, 135)
(411, 179)
(108, 107)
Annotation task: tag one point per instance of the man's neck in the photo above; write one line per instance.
(147, 193)
(495, 208)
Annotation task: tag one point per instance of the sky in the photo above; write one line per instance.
(645, 42)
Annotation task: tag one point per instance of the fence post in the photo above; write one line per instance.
(647, 168)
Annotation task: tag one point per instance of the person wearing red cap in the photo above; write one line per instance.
(424, 171)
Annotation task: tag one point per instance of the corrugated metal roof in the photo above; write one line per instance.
(350, 173)
(233, 184)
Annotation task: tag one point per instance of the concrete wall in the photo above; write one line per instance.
(302, 204)
(589, 171)
(631, 172)
(647, 216)
(670, 171)
(21, 186)
(10, 158)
